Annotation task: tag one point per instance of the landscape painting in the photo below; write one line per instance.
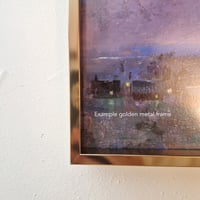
(140, 76)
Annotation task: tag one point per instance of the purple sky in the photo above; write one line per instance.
(118, 25)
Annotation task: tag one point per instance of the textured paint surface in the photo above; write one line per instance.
(116, 26)
(34, 115)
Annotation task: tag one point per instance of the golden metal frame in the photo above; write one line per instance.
(188, 160)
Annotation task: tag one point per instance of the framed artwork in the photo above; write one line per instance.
(135, 82)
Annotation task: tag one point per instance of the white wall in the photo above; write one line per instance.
(34, 120)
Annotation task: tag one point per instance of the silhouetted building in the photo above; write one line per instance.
(105, 89)
(146, 90)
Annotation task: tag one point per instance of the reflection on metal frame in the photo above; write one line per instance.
(168, 158)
